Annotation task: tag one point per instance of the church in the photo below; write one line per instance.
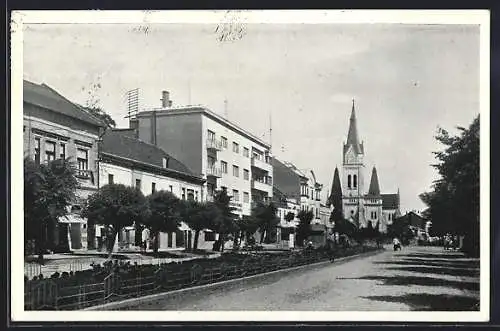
(362, 205)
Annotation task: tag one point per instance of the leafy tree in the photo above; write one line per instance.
(101, 115)
(225, 224)
(453, 205)
(164, 216)
(265, 215)
(200, 216)
(304, 227)
(289, 216)
(49, 189)
(248, 225)
(116, 206)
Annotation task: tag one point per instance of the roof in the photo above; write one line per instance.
(204, 110)
(42, 95)
(390, 201)
(119, 143)
(286, 179)
(374, 189)
(352, 135)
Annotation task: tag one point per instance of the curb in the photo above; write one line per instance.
(140, 300)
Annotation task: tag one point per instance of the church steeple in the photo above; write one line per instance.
(352, 135)
(374, 187)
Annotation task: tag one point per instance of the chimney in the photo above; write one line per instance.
(134, 124)
(165, 100)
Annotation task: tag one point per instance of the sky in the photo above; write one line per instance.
(299, 79)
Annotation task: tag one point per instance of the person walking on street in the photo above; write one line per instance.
(397, 244)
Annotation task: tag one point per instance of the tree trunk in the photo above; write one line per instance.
(196, 237)
(222, 241)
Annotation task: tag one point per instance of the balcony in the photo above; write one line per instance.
(261, 186)
(213, 171)
(85, 175)
(213, 144)
(261, 164)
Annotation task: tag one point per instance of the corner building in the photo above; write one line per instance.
(225, 155)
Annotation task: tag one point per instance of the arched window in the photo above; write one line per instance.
(349, 181)
(354, 181)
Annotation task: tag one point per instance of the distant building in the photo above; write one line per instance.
(361, 206)
(132, 162)
(417, 223)
(227, 156)
(298, 190)
(56, 128)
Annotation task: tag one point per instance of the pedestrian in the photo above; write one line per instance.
(330, 242)
(397, 244)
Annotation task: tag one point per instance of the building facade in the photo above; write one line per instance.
(221, 152)
(361, 206)
(56, 128)
(132, 162)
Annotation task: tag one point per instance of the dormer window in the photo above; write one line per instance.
(165, 163)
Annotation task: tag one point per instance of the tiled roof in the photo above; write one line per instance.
(119, 143)
(46, 97)
(390, 201)
(374, 189)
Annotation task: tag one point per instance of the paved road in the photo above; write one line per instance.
(417, 278)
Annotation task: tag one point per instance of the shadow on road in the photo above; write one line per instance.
(432, 302)
(427, 263)
(439, 270)
(422, 281)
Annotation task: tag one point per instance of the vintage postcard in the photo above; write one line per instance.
(293, 165)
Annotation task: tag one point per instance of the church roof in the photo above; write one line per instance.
(374, 187)
(352, 135)
(390, 201)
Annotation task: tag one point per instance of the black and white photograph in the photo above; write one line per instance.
(250, 165)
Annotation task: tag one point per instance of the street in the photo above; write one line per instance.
(416, 278)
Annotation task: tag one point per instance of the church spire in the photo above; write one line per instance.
(352, 135)
(374, 187)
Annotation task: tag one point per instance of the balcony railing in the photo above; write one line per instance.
(214, 172)
(261, 185)
(261, 164)
(214, 144)
(85, 174)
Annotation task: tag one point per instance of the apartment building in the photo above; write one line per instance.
(132, 162)
(223, 153)
(54, 128)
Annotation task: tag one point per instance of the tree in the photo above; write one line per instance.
(304, 227)
(226, 223)
(453, 205)
(248, 225)
(200, 216)
(335, 199)
(265, 215)
(116, 206)
(101, 115)
(49, 189)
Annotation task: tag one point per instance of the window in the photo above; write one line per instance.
(190, 195)
(223, 166)
(210, 161)
(223, 141)
(236, 195)
(138, 184)
(82, 158)
(196, 195)
(153, 187)
(349, 181)
(374, 215)
(111, 178)
(209, 236)
(50, 151)
(171, 188)
(62, 151)
(37, 150)
(312, 194)
(246, 197)
(164, 162)
(183, 194)
(354, 181)
(246, 174)
(236, 171)
(211, 135)
(246, 152)
(236, 147)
